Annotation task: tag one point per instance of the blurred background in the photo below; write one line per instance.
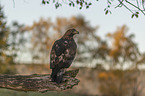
(110, 54)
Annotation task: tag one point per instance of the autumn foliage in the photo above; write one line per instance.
(117, 57)
(118, 53)
(120, 83)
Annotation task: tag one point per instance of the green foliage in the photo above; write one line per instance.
(135, 14)
(77, 3)
(131, 6)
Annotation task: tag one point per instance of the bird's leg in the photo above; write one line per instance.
(60, 76)
(53, 75)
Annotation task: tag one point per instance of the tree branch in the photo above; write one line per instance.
(38, 82)
(135, 7)
(121, 3)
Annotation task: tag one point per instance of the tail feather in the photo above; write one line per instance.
(57, 75)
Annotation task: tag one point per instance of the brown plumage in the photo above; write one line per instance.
(62, 55)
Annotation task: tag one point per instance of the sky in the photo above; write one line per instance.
(28, 11)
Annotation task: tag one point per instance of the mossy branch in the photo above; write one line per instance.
(38, 82)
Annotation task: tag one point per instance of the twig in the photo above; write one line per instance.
(143, 5)
(137, 3)
(125, 6)
(14, 3)
(135, 6)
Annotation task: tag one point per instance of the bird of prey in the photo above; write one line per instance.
(62, 55)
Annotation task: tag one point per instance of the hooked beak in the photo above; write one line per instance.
(76, 32)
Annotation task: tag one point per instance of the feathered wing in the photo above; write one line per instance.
(55, 59)
(61, 57)
(56, 54)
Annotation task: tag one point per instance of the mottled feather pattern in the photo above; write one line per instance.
(62, 55)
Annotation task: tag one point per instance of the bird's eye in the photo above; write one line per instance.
(73, 30)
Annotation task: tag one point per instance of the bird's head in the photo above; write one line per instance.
(70, 33)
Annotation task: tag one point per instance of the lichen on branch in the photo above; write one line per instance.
(38, 82)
